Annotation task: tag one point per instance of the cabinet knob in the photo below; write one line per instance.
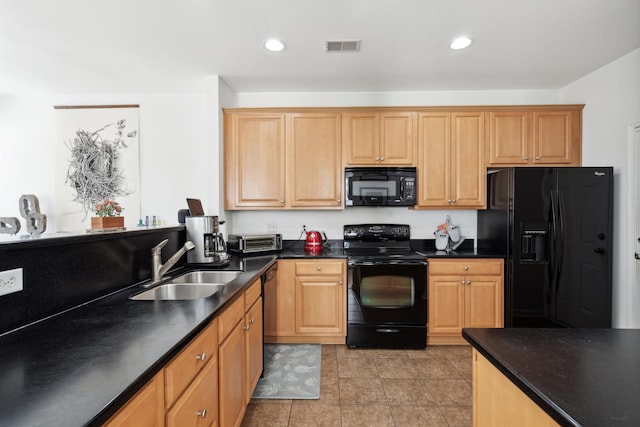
(318, 268)
(340, 282)
(282, 202)
(202, 357)
(252, 321)
(462, 282)
(526, 157)
(453, 201)
(246, 328)
(466, 267)
(377, 159)
(537, 157)
(382, 159)
(449, 201)
(339, 201)
(468, 282)
(203, 413)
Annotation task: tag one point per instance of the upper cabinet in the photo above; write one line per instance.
(451, 171)
(314, 167)
(540, 136)
(294, 158)
(254, 149)
(384, 138)
(278, 160)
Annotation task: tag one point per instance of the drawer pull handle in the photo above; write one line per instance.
(202, 357)
(203, 413)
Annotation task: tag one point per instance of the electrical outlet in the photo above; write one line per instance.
(272, 227)
(10, 281)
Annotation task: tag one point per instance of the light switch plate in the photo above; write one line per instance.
(10, 281)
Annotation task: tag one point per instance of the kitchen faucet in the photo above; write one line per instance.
(157, 268)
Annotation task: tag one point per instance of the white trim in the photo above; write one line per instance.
(633, 319)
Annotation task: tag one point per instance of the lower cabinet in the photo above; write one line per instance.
(209, 383)
(145, 409)
(311, 301)
(464, 293)
(240, 354)
(497, 401)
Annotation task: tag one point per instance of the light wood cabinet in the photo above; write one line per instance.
(254, 152)
(232, 365)
(497, 401)
(240, 354)
(379, 138)
(464, 293)
(253, 336)
(198, 406)
(186, 389)
(311, 301)
(145, 409)
(314, 160)
(542, 137)
(451, 171)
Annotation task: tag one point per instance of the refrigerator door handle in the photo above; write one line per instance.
(560, 240)
(553, 220)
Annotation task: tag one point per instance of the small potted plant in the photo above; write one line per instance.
(108, 215)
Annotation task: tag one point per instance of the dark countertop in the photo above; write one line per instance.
(580, 377)
(77, 368)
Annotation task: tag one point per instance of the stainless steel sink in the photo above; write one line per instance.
(204, 276)
(179, 291)
(193, 285)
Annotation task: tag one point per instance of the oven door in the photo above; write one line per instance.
(384, 293)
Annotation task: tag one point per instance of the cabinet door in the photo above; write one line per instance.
(552, 137)
(469, 175)
(314, 156)
(483, 302)
(396, 138)
(320, 305)
(198, 406)
(446, 305)
(509, 136)
(145, 409)
(286, 296)
(253, 343)
(434, 159)
(362, 138)
(232, 377)
(254, 160)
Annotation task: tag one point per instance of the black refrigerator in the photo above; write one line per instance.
(554, 228)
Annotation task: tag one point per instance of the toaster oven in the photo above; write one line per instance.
(252, 243)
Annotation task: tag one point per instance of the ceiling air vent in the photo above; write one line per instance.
(342, 45)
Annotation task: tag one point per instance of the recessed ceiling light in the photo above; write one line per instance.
(274, 45)
(460, 43)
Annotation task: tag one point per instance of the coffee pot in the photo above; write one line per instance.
(210, 248)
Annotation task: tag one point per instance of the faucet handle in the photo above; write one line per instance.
(158, 248)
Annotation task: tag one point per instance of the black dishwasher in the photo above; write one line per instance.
(269, 281)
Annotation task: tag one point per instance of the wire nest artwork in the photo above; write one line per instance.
(93, 171)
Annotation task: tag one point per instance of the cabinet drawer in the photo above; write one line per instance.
(184, 367)
(466, 266)
(306, 268)
(198, 406)
(252, 294)
(230, 318)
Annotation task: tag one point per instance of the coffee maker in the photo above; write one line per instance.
(210, 248)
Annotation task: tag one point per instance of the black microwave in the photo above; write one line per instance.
(381, 186)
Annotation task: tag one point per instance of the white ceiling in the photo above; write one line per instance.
(101, 46)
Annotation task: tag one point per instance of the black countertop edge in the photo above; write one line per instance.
(100, 354)
(546, 404)
(56, 239)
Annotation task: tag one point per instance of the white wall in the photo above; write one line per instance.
(612, 98)
(173, 150)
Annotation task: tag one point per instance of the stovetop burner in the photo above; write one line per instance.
(369, 242)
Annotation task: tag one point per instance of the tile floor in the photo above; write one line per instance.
(368, 387)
